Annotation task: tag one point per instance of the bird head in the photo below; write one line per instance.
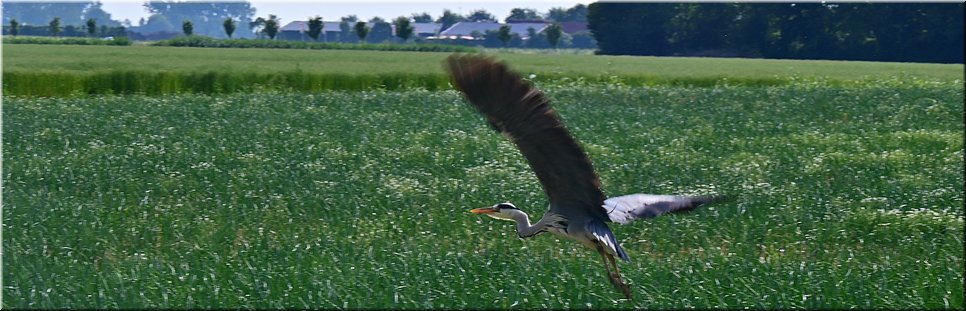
(505, 211)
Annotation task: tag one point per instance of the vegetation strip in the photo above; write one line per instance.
(57, 70)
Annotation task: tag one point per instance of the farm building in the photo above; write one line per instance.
(472, 30)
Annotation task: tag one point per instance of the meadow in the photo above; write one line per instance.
(848, 192)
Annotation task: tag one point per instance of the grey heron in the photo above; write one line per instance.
(578, 208)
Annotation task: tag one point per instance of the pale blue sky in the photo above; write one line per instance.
(290, 10)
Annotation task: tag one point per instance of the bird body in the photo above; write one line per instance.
(578, 208)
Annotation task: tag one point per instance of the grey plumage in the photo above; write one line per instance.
(578, 208)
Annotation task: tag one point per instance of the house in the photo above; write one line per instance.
(294, 30)
(426, 30)
(573, 27)
(298, 31)
(466, 30)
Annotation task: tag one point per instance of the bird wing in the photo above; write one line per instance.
(624, 209)
(521, 113)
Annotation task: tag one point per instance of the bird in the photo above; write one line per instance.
(578, 208)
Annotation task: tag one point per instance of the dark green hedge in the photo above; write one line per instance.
(65, 40)
(201, 41)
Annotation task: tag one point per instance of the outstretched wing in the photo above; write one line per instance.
(522, 114)
(624, 209)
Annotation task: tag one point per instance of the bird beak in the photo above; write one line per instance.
(483, 210)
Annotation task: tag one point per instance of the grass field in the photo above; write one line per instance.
(846, 196)
(49, 70)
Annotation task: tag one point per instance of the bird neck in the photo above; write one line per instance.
(524, 229)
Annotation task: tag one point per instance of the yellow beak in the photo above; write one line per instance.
(483, 210)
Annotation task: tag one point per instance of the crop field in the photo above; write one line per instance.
(847, 195)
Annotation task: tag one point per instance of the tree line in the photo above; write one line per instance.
(913, 32)
(55, 29)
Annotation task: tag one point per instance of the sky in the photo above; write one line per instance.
(331, 10)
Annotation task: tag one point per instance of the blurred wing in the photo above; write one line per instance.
(522, 114)
(624, 209)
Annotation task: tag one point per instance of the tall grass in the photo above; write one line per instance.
(847, 197)
(166, 70)
(56, 84)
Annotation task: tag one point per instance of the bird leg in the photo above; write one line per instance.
(614, 277)
(618, 281)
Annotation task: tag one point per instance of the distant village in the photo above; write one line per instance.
(523, 28)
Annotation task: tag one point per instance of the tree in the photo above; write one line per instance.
(271, 26)
(362, 31)
(344, 31)
(14, 27)
(258, 26)
(701, 26)
(55, 26)
(380, 31)
(518, 14)
(491, 39)
(557, 14)
(578, 13)
(537, 40)
(404, 28)
(95, 11)
(480, 15)
(630, 28)
(504, 35)
(476, 34)
(583, 40)
(229, 25)
(422, 18)
(315, 27)
(91, 27)
(553, 33)
(187, 27)
(350, 18)
(448, 19)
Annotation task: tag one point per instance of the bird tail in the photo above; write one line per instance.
(622, 254)
(604, 238)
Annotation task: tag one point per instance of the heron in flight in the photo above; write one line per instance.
(578, 208)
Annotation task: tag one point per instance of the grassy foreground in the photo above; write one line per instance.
(846, 198)
(50, 70)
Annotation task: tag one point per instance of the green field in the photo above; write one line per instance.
(848, 195)
(50, 70)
